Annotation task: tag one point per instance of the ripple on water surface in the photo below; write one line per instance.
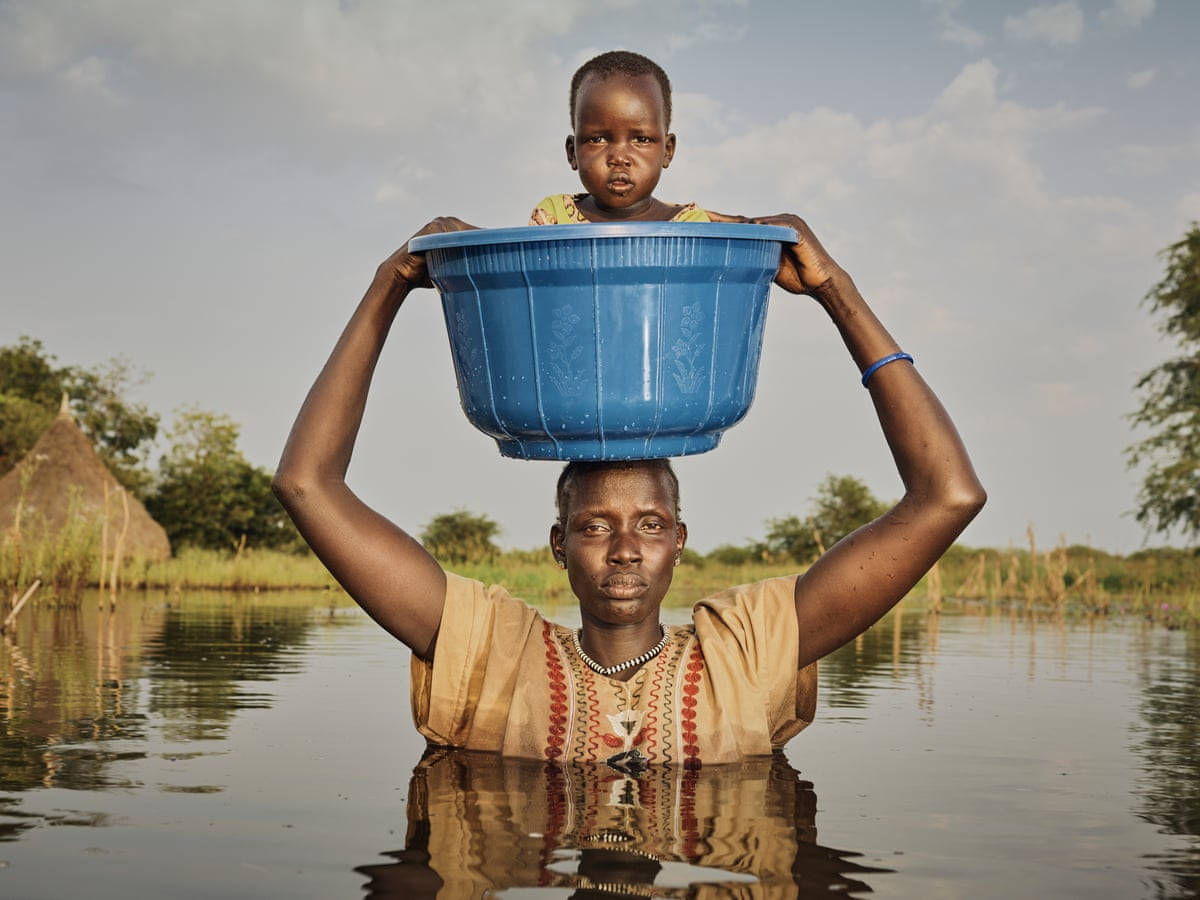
(221, 745)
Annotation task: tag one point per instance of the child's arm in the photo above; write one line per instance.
(869, 571)
(384, 569)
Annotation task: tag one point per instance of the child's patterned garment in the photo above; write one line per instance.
(561, 209)
(725, 687)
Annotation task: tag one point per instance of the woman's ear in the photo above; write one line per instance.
(556, 545)
(680, 537)
(571, 152)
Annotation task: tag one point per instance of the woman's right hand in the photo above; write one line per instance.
(404, 270)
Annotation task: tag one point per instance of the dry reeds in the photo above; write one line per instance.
(933, 588)
(11, 617)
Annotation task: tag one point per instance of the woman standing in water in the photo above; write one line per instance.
(488, 672)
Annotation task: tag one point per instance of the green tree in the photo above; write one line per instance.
(460, 537)
(1170, 396)
(208, 495)
(842, 504)
(121, 431)
(733, 555)
(31, 389)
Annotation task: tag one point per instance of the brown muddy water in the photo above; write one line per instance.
(222, 746)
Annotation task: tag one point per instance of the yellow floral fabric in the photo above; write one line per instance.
(726, 687)
(562, 209)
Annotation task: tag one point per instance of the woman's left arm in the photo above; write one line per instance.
(867, 572)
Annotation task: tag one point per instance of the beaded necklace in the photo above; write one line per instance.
(629, 663)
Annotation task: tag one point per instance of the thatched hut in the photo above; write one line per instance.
(64, 476)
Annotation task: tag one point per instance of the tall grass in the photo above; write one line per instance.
(193, 568)
(63, 559)
(1162, 585)
(536, 578)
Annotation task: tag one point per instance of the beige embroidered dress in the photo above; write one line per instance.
(725, 687)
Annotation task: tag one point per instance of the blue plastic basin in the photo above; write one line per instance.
(605, 341)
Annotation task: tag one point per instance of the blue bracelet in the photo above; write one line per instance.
(880, 363)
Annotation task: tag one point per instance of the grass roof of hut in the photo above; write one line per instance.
(63, 476)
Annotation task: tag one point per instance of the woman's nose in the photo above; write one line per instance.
(624, 549)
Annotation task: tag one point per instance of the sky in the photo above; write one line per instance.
(206, 190)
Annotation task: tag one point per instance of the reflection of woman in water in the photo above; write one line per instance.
(489, 673)
(478, 822)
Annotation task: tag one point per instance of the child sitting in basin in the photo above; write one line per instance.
(620, 144)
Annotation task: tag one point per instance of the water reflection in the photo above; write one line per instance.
(80, 683)
(1000, 737)
(1169, 744)
(479, 824)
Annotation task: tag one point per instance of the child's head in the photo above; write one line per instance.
(630, 65)
(620, 113)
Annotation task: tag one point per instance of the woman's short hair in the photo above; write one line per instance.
(568, 479)
(622, 62)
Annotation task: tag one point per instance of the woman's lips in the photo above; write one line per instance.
(624, 584)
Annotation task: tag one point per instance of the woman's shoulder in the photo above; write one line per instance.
(472, 599)
(759, 606)
(780, 587)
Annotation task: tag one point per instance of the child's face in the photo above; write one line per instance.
(620, 145)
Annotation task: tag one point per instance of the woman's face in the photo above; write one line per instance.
(620, 145)
(620, 541)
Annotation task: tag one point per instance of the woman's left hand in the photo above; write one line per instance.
(805, 265)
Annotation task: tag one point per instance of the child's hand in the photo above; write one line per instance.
(805, 265)
(403, 271)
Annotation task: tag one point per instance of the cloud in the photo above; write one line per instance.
(91, 77)
(694, 113)
(371, 67)
(969, 164)
(1155, 159)
(398, 186)
(1189, 206)
(969, 136)
(952, 30)
(1128, 13)
(1063, 398)
(1059, 24)
(705, 33)
(1140, 79)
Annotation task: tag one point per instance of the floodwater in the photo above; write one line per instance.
(261, 746)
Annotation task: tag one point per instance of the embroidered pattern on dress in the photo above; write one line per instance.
(651, 720)
(693, 675)
(557, 726)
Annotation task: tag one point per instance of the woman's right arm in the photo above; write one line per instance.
(387, 572)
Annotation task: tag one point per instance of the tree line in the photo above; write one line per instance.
(205, 493)
(203, 490)
(842, 504)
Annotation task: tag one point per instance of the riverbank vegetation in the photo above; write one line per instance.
(1161, 584)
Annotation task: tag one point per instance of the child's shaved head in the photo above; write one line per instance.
(622, 62)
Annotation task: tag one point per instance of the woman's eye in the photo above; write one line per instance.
(652, 526)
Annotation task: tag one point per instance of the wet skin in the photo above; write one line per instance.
(620, 147)
(620, 542)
